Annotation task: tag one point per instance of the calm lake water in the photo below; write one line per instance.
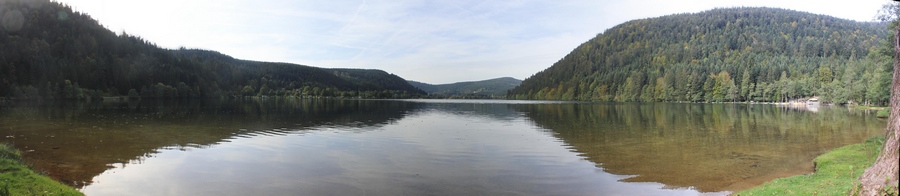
(423, 147)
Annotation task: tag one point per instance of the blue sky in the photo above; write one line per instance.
(429, 41)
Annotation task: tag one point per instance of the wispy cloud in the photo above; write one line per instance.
(447, 41)
(429, 41)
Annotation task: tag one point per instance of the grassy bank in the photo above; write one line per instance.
(863, 107)
(836, 172)
(881, 112)
(16, 178)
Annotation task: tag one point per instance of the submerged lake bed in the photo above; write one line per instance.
(415, 147)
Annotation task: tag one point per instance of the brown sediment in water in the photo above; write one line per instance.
(709, 147)
(705, 172)
(77, 154)
(759, 180)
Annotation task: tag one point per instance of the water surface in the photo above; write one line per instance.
(396, 147)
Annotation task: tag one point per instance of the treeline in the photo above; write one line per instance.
(484, 89)
(733, 54)
(51, 52)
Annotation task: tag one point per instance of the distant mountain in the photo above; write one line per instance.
(726, 54)
(486, 88)
(49, 51)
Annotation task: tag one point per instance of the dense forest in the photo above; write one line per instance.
(724, 55)
(50, 52)
(484, 89)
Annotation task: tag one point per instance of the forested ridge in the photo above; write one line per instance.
(50, 52)
(725, 54)
(491, 88)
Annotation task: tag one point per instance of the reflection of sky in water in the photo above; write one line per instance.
(428, 152)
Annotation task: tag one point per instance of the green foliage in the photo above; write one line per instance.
(77, 58)
(373, 79)
(5, 191)
(476, 89)
(883, 113)
(18, 179)
(769, 54)
(836, 172)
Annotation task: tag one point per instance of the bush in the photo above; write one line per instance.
(883, 113)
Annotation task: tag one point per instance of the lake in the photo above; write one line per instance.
(423, 147)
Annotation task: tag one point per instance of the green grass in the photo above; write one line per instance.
(836, 172)
(883, 114)
(16, 178)
(863, 107)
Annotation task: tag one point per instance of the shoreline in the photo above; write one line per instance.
(18, 178)
(835, 172)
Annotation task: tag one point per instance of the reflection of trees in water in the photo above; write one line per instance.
(800, 107)
(76, 141)
(481, 110)
(711, 147)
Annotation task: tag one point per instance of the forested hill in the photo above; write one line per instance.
(49, 51)
(491, 88)
(729, 54)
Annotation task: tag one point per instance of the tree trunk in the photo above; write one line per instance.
(883, 176)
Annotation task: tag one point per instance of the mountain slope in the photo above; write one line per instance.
(52, 52)
(733, 54)
(428, 88)
(374, 79)
(496, 87)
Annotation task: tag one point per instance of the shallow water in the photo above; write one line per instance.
(396, 147)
